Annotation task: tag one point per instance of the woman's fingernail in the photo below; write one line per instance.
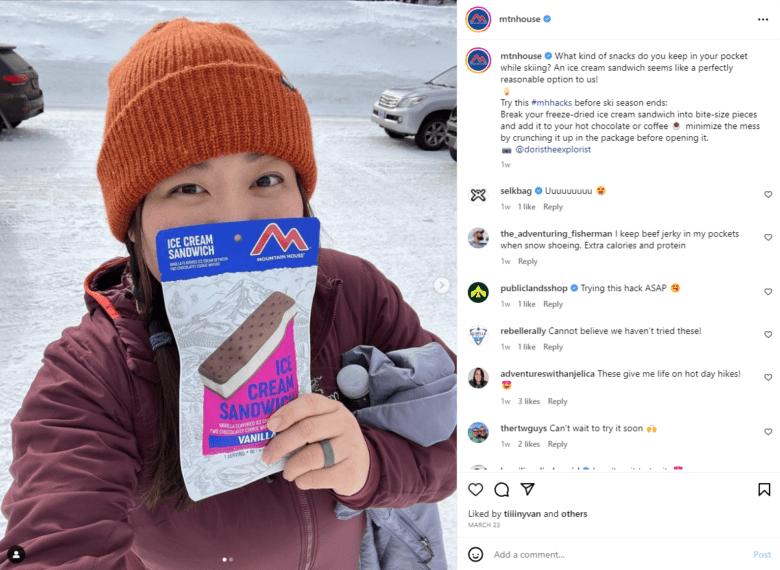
(273, 423)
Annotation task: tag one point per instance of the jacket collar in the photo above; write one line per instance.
(108, 288)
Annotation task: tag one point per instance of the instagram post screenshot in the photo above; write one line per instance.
(617, 285)
(260, 313)
(228, 256)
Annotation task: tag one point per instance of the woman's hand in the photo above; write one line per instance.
(305, 422)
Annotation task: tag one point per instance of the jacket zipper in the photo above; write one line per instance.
(309, 528)
(422, 539)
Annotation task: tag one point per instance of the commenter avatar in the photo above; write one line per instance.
(478, 432)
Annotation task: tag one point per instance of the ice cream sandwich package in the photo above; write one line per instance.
(238, 297)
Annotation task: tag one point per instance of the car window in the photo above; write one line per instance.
(14, 61)
(449, 77)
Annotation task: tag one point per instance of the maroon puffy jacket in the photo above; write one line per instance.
(87, 425)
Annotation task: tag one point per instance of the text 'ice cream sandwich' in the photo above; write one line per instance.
(237, 359)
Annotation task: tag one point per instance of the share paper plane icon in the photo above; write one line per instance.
(527, 487)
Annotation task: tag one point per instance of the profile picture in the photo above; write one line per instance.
(479, 195)
(478, 292)
(478, 334)
(478, 238)
(478, 432)
(478, 378)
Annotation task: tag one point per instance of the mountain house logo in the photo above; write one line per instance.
(478, 60)
(478, 19)
(284, 240)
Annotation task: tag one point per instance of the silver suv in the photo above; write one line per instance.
(419, 110)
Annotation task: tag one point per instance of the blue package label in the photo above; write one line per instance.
(205, 250)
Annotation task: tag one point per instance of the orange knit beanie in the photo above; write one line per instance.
(187, 92)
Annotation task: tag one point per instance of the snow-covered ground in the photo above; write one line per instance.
(379, 198)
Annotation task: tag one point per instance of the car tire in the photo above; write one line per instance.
(15, 124)
(394, 135)
(454, 154)
(431, 134)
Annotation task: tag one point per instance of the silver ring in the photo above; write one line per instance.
(327, 449)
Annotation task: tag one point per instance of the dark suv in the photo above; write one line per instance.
(20, 96)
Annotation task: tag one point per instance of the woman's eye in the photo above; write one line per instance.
(190, 189)
(269, 180)
(263, 182)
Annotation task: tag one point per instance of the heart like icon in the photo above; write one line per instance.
(768, 193)
(768, 431)
(767, 237)
(768, 377)
(768, 291)
(475, 488)
(768, 334)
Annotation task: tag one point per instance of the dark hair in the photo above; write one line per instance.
(166, 480)
(482, 375)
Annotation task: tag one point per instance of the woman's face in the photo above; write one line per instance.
(478, 376)
(230, 188)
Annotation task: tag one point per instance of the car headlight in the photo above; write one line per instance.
(410, 101)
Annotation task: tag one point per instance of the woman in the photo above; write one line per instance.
(203, 127)
(479, 380)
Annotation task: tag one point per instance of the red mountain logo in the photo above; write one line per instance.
(478, 59)
(478, 18)
(284, 241)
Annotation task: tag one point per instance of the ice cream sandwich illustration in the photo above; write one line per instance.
(237, 359)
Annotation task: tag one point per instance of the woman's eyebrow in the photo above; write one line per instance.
(198, 166)
(250, 157)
